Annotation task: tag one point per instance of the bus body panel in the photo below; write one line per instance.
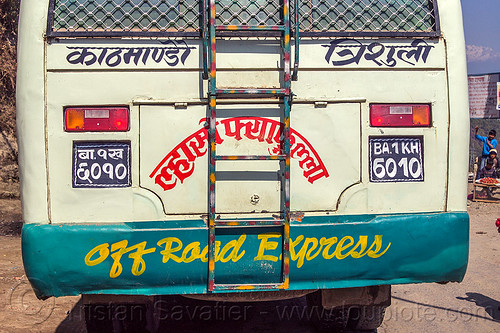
(151, 258)
(347, 230)
(344, 143)
(458, 90)
(30, 116)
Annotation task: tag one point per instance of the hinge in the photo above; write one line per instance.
(182, 105)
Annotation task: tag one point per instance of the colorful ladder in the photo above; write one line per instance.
(285, 95)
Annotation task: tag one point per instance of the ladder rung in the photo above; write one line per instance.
(246, 223)
(250, 27)
(253, 91)
(249, 157)
(260, 286)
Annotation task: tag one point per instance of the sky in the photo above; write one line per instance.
(482, 35)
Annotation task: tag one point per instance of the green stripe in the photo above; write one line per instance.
(412, 248)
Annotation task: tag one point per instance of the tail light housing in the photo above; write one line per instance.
(400, 115)
(96, 119)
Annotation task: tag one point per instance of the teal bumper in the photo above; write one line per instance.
(148, 258)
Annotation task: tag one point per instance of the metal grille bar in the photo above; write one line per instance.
(176, 17)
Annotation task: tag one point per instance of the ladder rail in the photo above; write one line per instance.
(284, 93)
(286, 139)
(211, 148)
(204, 32)
(295, 75)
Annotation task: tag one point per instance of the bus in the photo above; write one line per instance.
(236, 150)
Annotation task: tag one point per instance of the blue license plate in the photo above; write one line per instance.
(101, 164)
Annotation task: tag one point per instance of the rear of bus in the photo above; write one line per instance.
(114, 140)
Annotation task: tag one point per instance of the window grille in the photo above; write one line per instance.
(128, 17)
(367, 15)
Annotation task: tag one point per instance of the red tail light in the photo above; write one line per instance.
(400, 115)
(96, 119)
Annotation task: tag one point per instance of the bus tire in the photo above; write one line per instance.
(114, 318)
(326, 320)
(95, 323)
(366, 318)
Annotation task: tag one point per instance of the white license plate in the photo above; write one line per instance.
(396, 159)
(101, 164)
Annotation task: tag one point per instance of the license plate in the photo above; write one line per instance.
(396, 159)
(103, 164)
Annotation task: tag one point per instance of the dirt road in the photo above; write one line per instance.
(471, 306)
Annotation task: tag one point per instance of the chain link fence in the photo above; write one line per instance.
(182, 16)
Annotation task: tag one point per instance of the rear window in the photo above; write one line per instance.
(183, 17)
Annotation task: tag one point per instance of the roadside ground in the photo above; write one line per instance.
(470, 306)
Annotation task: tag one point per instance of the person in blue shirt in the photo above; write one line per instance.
(489, 142)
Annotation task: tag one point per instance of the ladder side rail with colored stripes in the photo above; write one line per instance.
(285, 95)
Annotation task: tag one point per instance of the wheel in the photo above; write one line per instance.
(366, 317)
(114, 318)
(329, 320)
(98, 318)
